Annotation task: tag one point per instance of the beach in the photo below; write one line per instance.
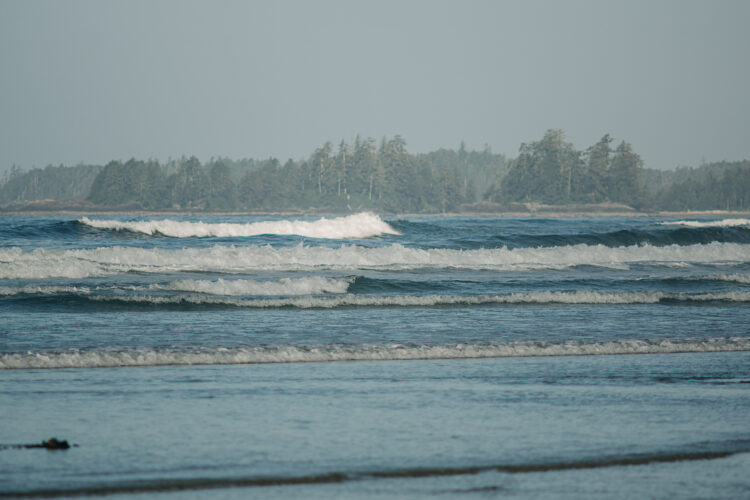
(368, 356)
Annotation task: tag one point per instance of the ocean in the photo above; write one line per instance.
(371, 356)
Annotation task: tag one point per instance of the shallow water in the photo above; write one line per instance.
(605, 357)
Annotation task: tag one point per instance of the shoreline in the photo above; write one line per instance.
(324, 213)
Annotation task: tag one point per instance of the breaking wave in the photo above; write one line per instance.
(286, 286)
(312, 285)
(331, 294)
(363, 225)
(714, 223)
(111, 357)
(16, 263)
(43, 290)
(728, 278)
(354, 300)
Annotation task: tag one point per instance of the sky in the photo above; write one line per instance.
(93, 81)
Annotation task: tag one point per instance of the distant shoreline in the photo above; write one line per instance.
(324, 213)
(77, 207)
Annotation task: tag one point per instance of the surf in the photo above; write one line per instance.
(113, 357)
(16, 263)
(357, 226)
(714, 223)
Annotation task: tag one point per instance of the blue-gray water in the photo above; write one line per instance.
(366, 357)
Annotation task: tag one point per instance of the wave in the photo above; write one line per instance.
(16, 263)
(8, 291)
(514, 234)
(688, 452)
(352, 300)
(659, 237)
(715, 223)
(363, 286)
(331, 296)
(313, 285)
(362, 225)
(111, 357)
(726, 278)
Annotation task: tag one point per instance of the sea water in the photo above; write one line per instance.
(366, 356)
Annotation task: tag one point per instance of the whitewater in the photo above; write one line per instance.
(315, 354)
(368, 355)
(710, 223)
(43, 263)
(363, 225)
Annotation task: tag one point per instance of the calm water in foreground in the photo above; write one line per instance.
(363, 357)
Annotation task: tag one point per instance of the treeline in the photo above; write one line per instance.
(717, 186)
(49, 183)
(384, 176)
(553, 171)
(356, 176)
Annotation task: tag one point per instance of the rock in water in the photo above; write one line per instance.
(55, 444)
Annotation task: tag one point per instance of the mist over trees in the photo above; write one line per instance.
(552, 171)
(366, 174)
(717, 186)
(50, 183)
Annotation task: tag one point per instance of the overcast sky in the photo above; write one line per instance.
(91, 81)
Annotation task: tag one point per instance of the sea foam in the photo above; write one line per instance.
(16, 263)
(362, 225)
(111, 357)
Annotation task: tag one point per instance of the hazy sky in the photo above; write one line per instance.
(91, 81)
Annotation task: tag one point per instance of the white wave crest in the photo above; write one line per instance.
(16, 263)
(286, 286)
(312, 285)
(317, 292)
(326, 353)
(711, 223)
(728, 278)
(363, 225)
(735, 278)
(355, 300)
(43, 290)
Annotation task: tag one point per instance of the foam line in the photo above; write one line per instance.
(104, 358)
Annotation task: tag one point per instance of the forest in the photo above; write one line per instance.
(386, 177)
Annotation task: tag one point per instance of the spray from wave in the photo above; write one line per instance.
(363, 225)
(112, 357)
